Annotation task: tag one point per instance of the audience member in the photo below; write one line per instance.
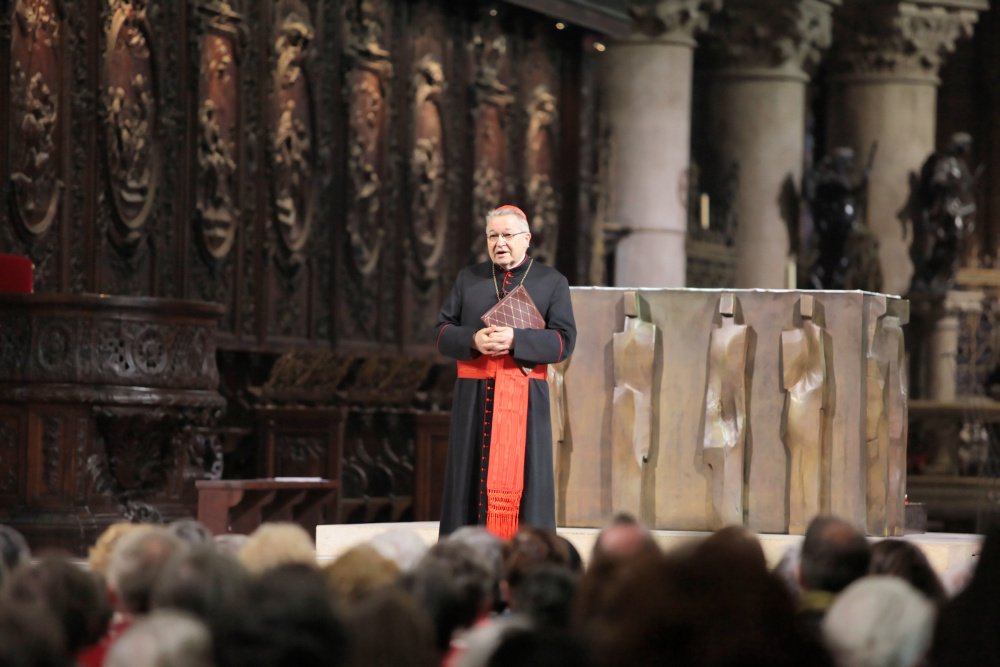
(288, 621)
(879, 621)
(275, 544)
(538, 648)
(191, 531)
(389, 628)
(99, 556)
(203, 583)
(403, 546)
(14, 548)
(966, 631)
(30, 637)
(834, 554)
(136, 563)
(903, 559)
(545, 596)
(163, 639)
(74, 598)
(357, 573)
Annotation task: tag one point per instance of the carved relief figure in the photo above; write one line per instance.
(217, 183)
(492, 102)
(429, 204)
(543, 201)
(366, 120)
(291, 137)
(723, 444)
(34, 114)
(631, 406)
(804, 378)
(130, 122)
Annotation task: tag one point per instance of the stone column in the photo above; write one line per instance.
(759, 55)
(647, 92)
(886, 55)
(942, 345)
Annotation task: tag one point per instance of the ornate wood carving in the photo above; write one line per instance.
(429, 204)
(217, 184)
(9, 459)
(129, 91)
(366, 89)
(491, 63)
(292, 132)
(542, 200)
(93, 348)
(36, 94)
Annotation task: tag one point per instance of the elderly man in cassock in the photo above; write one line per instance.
(499, 471)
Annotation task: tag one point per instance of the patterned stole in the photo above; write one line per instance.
(508, 436)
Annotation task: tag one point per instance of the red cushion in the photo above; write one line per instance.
(16, 274)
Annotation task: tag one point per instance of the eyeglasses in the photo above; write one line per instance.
(493, 238)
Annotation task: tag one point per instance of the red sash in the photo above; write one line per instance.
(508, 434)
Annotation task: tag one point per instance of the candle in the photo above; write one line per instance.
(703, 207)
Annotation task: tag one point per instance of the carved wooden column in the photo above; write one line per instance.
(888, 54)
(647, 83)
(760, 55)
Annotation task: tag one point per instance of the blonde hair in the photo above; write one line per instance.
(277, 543)
(99, 555)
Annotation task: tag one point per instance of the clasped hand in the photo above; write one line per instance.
(494, 341)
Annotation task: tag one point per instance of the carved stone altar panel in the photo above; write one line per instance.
(726, 428)
(130, 99)
(899, 39)
(634, 351)
(807, 383)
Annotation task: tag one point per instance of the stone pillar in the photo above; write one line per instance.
(647, 92)
(942, 344)
(759, 54)
(887, 54)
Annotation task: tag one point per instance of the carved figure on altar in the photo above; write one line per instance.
(942, 210)
(804, 378)
(724, 440)
(844, 252)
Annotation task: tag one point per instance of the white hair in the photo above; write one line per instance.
(163, 639)
(879, 621)
(511, 211)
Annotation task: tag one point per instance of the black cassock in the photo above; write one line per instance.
(474, 293)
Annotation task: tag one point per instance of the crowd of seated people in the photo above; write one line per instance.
(175, 596)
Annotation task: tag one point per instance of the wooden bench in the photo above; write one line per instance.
(240, 505)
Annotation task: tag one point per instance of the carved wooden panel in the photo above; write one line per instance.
(492, 102)
(129, 101)
(11, 433)
(540, 159)
(363, 247)
(430, 150)
(36, 125)
(219, 150)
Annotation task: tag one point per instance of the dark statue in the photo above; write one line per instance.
(942, 209)
(843, 253)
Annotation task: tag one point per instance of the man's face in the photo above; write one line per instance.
(511, 242)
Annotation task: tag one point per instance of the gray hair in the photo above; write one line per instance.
(136, 563)
(511, 211)
(163, 639)
(879, 621)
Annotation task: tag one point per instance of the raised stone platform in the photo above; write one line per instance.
(947, 552)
